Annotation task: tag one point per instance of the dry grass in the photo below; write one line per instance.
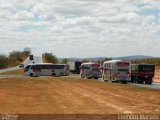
(65, 95)
(14, 72)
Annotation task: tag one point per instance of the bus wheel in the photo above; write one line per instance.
(132, 80)
(53, 74)
(31, 75)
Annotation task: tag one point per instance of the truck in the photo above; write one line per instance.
(142, 73)
(74, 66)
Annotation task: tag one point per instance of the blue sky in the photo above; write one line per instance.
(81, 28)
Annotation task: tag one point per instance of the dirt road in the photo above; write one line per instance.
(64, 95)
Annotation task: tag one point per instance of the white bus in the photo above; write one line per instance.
(46, 69)
(116, 70)
(90, 70)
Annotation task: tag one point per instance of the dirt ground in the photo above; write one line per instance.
(66, 95)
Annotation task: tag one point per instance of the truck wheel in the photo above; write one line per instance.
(140, 82)
(148, 82)
(132, 80)
(82, 76)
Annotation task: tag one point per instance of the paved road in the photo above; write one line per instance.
(153, 86)
(37, 59)
(10, 69)
(12, 76)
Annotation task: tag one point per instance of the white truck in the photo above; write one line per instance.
(74, 66)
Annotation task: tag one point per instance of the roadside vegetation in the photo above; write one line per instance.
(155, 61)
(13, 59)
(49, 58)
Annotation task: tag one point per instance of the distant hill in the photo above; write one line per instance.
(135, 57)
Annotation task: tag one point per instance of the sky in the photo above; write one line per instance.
(81, 28)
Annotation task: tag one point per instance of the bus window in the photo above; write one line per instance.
(35, 67)
(123, 70)
(60, 66)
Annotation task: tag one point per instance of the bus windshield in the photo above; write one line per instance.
(27, 68)
(95, 66)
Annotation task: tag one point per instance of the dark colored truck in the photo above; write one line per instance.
(142, 73)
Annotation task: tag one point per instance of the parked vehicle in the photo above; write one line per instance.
(74, 66)
(21, 65)
(116, 70)
(46, 69)
(90, 70)
(142, 73)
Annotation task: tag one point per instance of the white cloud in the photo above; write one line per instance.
(81, 28)
(22, 16)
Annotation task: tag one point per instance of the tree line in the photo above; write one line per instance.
(155, 61)
(51, 58)
(16, 57)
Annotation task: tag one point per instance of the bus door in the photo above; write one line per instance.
(67, 70)
(108, 71)
(84, 70)
(104, 71)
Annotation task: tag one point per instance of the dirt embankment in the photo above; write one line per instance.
(46, 95)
